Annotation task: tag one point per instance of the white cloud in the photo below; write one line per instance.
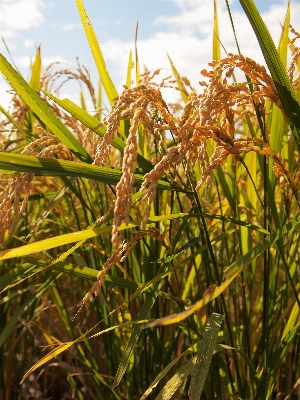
(194, 18)
(188, 39)
(188, 53)
(185, 36)
(69, 27)
(29, 43)
(26, 61)
(20, 14)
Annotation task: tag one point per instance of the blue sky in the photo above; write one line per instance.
(183, 28)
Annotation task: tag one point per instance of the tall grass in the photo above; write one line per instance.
(152, 251)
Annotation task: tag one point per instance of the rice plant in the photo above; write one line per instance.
(152, 250)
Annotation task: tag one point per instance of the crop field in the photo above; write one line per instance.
(152, 250)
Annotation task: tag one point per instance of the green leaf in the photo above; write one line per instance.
(16, 125)
(129, 70)
(159, 277)
(179, 377)
(137, 64)
(89, 273)
(216, 36)
(284, 88)
(191, 243)
(277, 358)
(23, 308)
(68, 238)
(261, 247)
(18, 273)
(180, 84)
(277, 125)
(293, 320)
(148, 304)
(43, 112)
(107, 83)
(230, 274)
(204, 356)
(50, 167)
(162, 374)
(36, 71)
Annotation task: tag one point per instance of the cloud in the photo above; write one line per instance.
(195, 19)
(187, 38)
(29, 43)
(26, 61)
(188, 53)
(70, 27)
(20, 14)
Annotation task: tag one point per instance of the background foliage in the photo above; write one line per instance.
(199, 298)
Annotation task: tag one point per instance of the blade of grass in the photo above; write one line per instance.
(137, 64)
(149, 285)
(148, 304)
(107, 83)
(99, 101)
(16, 125)
(283, 85)
(50, 167)
(180, 83)
(15, 275)
(87, 234)
(58, 196)
(129, 70)
(36, 71)
(34, 83)
(231, 273)
(179, 377)
(292, 321)
(277, 126)
(204, 356)
(216, 36)
(64, 346)
(43, 112)
(277, 358)
(24, 307)
(69, 269)
(162, 374)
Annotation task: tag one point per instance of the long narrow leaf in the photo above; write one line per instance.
(38, 106)
(204, 356)
(179, 81)
(93, 231)
(230, 273)
(23, 308)
(50, 167)
(107, 83)
(278, 127)
(148, 304)
(36, 71)
(129, 70)
(70, 269)
(283, 85)
(216, 36)
(16, 125)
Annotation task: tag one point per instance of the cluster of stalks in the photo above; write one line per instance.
(214, 114)
(217, 129)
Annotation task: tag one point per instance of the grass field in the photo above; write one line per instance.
(151, 250)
